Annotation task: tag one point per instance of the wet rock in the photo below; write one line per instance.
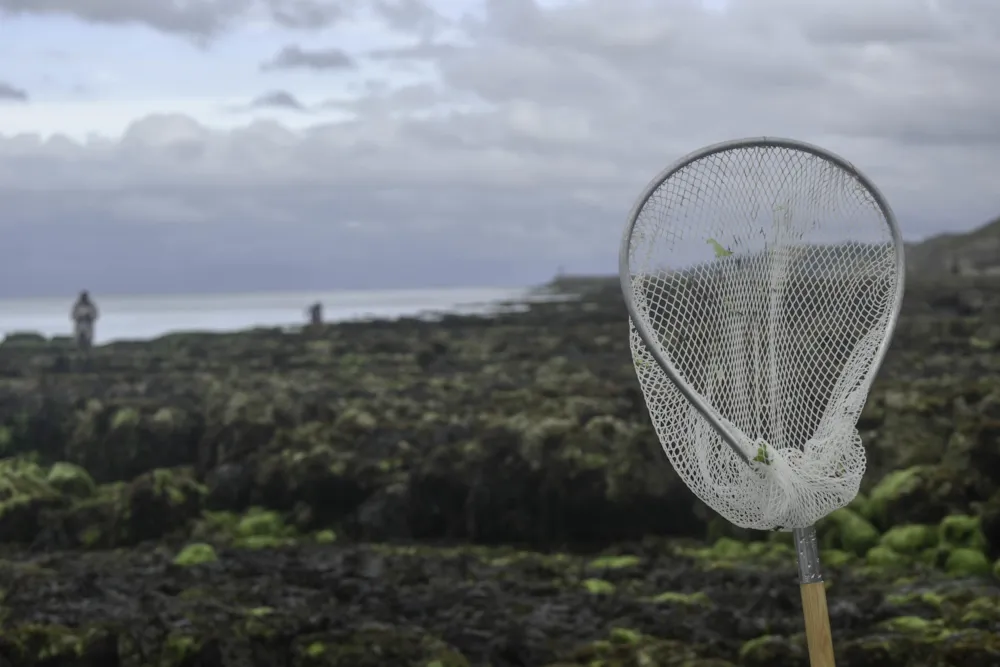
(920, 495)
(159, 502)
(990, 524)
(115, 441)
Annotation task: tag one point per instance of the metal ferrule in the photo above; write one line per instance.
(807, 550)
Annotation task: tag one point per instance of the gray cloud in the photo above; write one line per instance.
(11, 93)
(277, 99)
(295, 57)
(524, 155)
(199, 19)
(409, 16)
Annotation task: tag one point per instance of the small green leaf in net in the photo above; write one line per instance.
(762, 456)
(719, 250)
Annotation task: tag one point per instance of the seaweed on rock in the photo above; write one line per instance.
(199, 500)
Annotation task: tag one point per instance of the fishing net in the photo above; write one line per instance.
(768, 277)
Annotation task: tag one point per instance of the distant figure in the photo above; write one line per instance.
(84, 316)
(316, 315)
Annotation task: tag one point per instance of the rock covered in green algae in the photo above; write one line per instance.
(847, 530)
(774, 651)
(25, 494)
(524, 427)
(334, 605)
(71, 479)
(197, 553)
(375, 645)
(62, 507)
(629, 648)
(921, 494)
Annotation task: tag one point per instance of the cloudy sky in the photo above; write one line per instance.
(221, 145)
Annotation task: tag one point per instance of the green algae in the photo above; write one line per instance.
(891, 487)
(71, 479)
(909, 540)
(884, 557)
(614, 562)
(967, 562)
(125, 418)
(847, 530)
(179, 649)
(627, 647)
(195, 554)
(772, 651)
(375, 646)
(698, 599)
(37, 643)
(598, 586)
(962, 530)
(324, 537)
(835, 558)
(257, 528)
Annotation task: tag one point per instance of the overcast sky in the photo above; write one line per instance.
(217, 145)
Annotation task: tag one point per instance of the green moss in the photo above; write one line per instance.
(20, 477)
(726, 553)
(325, 537)
(846, 529)
(125, 418)
(884, 557)
(961, 530)
(927, 598)
(909, 539)
(258, 528)
(967, 563)
(836, 558)
(914, 625)
(599, 586)
(625, 636)
(996, 569)
(981, 610)
(614, 562)
(727, 548)
(259, 522)
(24, 493)
(262, 529)
(893, 486)
(43, 643)
(175, 485)
(71, 479)
(698, 599)
(91, 536)
(195, 554)
(771, 650)
(260, 612)
(256, 542)
(179, 648)
(376, 646)
(629, 648)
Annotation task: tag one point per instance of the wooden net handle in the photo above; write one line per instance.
(817, 619)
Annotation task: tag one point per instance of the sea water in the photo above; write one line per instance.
(141, 317)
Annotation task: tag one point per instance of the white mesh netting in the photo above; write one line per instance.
(769, 277)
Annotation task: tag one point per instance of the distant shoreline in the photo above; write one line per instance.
(289, 313)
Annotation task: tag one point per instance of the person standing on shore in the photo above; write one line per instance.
(84, 315)
(316, 315)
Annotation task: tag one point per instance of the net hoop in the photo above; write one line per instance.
(651, 342)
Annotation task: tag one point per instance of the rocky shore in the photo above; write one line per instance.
(470, 491)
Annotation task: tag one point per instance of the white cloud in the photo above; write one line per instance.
(508, 141)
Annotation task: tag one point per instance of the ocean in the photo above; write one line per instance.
(144, 317)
